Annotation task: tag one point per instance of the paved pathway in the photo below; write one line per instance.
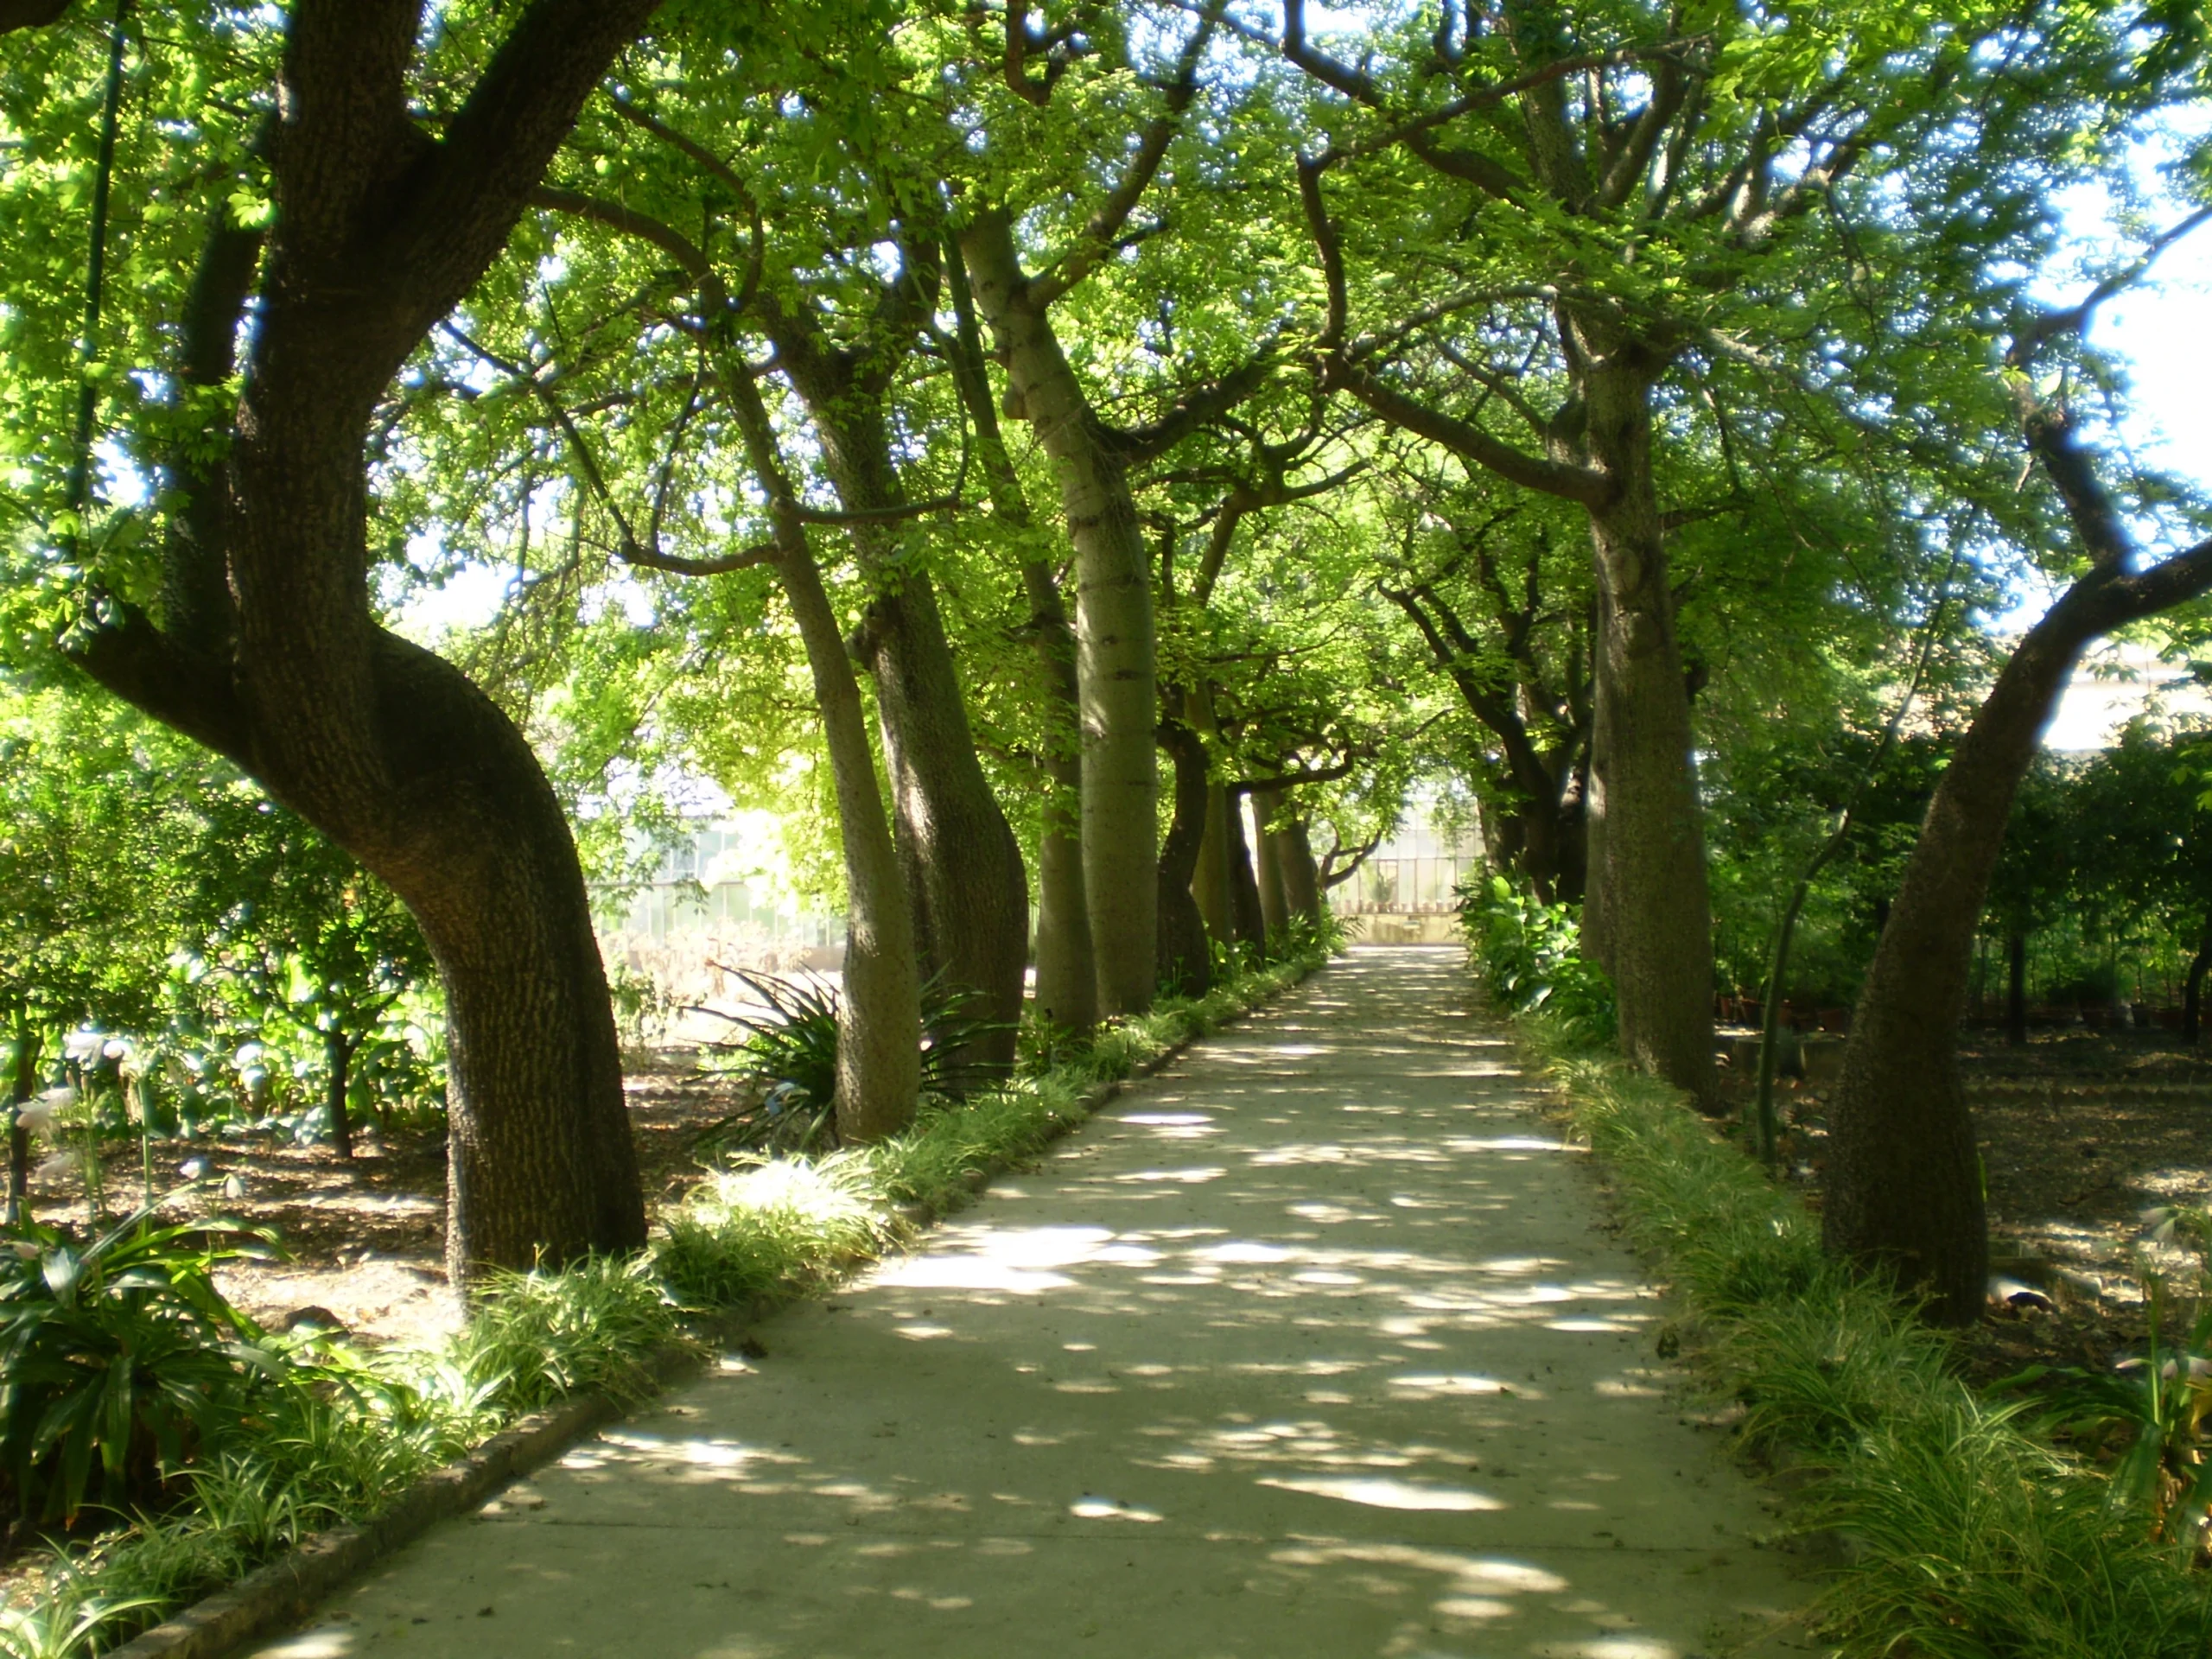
(1309, 1346)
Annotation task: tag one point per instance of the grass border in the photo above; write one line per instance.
(921, 1176)
(1965, 1533)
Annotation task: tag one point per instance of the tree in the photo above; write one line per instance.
(1903, 1191)
(261, 640)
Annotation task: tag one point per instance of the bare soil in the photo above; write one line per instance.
(2081, 1133)
(363, 1238)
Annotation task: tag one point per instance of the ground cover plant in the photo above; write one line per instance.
(1967, 1529)
(337, 1431)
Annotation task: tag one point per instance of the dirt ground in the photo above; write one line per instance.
(364, 1239)
(2082, 1132)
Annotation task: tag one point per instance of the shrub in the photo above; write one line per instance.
(120, 1357)
(1529, 954)
(533, 1339)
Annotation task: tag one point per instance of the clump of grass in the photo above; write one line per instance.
(773, 1225)
(534, 1339)
(1971, 1537)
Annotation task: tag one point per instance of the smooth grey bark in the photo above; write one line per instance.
(879, 1015)
(1209, 882)
(1066, 988)
(1117, 675)
(962, 867)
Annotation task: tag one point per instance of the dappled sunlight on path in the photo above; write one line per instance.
(1309, 1347)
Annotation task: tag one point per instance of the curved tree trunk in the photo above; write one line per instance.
(962, 864)
(1185, 959)
(1115, 667)
(277, 660)
(1654, 927)
(879, 1015)
(1905, 1188)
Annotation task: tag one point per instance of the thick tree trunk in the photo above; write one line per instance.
(1115, 667)
(1905, 1184)
(1274, 908)
(1251, 921)
(1066, 991)
(338, 1064)
(2016, 989)
(2192, 1003)
(962, 864)
(1656, 927)
(1212, 885)
(1185, 959)
(277, 660)
(1301, 882)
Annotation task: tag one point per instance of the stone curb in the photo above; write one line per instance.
(289, 1587)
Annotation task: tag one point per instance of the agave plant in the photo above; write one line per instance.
(120, 1357)
(791, 1050)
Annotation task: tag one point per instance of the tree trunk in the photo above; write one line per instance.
(2192, 1003)
(1656, 930)
(21, 1087)
(338, 1061)
(1185, 959)
(2016, 989)
(962, 864)
(1251, 922)
(278, 661)
(1274, 909)
(1301, 883)
(1067, 991)
(1904, 1181)
(1115, 673)
(879, 1015)
(1212, 885)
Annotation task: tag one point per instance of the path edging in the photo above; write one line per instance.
(290, 1587)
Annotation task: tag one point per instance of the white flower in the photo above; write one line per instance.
(59, 1100)
(234, 1186)
(249, 1055)
(36, 1118)
(83, 1047)
(60, 1165)
(115, 1048)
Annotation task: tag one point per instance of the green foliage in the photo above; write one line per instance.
(1531, 958)
(533, 1339)
(119, 1358)
(763, 1228)
(1970, 1537)
(792, 1050)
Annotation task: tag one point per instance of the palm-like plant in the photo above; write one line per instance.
(121, 1357)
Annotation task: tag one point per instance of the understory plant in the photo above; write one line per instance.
(1530, 957)
(1971, 1535)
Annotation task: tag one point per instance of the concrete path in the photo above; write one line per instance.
(1309, 1346)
